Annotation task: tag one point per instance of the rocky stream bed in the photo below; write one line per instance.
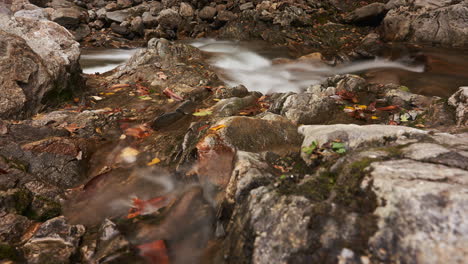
(237, 132)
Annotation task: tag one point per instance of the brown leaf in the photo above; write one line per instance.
(142, 90)
(169, 93)
(387, 108)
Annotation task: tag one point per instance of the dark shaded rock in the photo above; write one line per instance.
(12, 227)
(121, 30)
(228, 92)
(149, 20)
(370, 14)
(166, 119)
(187, 107)
(81, 32)
(68, 17)
(207, 13)
(137, 26)
(55, 241)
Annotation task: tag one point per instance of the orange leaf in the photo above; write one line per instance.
(155, 252)
(387, 108)
(142, 90)
(120, 85)
(146, 207)
(216, 128)
(140, 131)
(72, 127)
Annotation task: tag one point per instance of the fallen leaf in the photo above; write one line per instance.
(420, 125)
(142, 90)
(310, 149)
(387, 108)
(153, 162)
(392, 123)
(374, 117)
(139, 131)
(141, 207)
(120, 85)
(169, 93)
(162, 75)
(72, 127)
(203, 113)
(216, 128)
(155, 252)
(98, 130)
(144, 97)
(129, 154)
(97, 98)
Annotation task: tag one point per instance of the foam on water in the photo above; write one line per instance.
(103, 60)
(239, 65)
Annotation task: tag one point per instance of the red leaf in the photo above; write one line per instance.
(142, 90)
(387, 108)
(146, 207)
(169, 93)
(346, 95)
(140, 131)
(155, 252)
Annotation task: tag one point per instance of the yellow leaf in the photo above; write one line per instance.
(216, 100)
(362, 107)
(216, 128)
(374, 117)
(98, 130)
(153, 162)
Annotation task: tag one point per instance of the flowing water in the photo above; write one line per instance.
(260, 68)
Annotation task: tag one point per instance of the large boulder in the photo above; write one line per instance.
(435, 22)
(55, 50)
(459, 100)
(24, 78)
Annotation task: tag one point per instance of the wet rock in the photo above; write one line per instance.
(423, 193)
(12, 227)
(459, 100)
(187, 107)
(55, 160)
(186, 10)
(396, 96)
(207, 13)
(427, 22)
(257, 135)
(354, 136)
(351, 83)
(166, 119)
(369, 14)
(55, 241)
(232, 106)
(228, 92)
(169, 19)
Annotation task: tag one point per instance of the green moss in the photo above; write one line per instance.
(22, 200)
(8, 252)
(315, 189)
(404, 89)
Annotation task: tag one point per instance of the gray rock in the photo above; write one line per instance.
(308, 108)
(186, 10)
(207, 13)
(366, 13)
(228, 92)
(124, 3)
(23, 77)
(351, 83)
(137, 26)
(81, 32)
(68, 17)
(59, 53)
(225, 16)
(420, 216)
(121, 30)
(245, 6)
(231, 106)
(169, 19)
(459, 100)
(149, 20)
(354, 136)
(55, 241)
(122, 15)
(34, 14)
(435, 22)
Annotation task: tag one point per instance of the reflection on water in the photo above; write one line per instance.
(103, 60)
